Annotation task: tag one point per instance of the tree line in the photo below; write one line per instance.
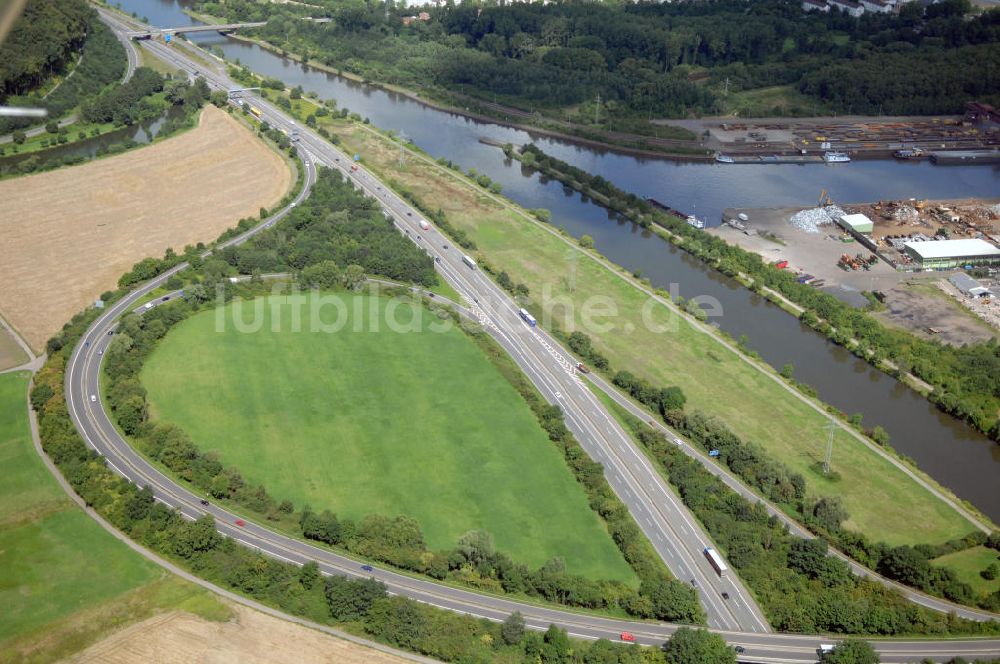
(651, 57)
(799, 586)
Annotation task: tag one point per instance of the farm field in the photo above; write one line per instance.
(883, 502)
(249, 638)
(54, 560)
(360, 422)
(67, 235)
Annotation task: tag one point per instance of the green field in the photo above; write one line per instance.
(883, 502)
(54, 560)
(360, 422)
(969, 563)
(64, 581)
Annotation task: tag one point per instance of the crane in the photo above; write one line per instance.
(824, 199)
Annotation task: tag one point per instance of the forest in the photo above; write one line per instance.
(662, 59)
(44, 41)
(42, 45)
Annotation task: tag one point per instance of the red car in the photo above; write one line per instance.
(627, 636)
(240, 522)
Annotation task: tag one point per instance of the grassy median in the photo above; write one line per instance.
(883, 502)
(379, 421)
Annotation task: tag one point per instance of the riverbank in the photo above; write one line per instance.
(626, 143)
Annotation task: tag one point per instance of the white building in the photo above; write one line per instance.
(943, 254)
(859, 223)
(815, 5)
(969, 286)
(877, 6)
(852, 8)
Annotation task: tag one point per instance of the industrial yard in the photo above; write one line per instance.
(945, 139)
(901, 250)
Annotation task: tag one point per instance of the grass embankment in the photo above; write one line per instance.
(64, 581)
(969, 563)
(377, 421)
(884, 503)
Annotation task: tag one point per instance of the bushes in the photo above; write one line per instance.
(799, 587)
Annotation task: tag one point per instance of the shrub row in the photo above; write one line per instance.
(801, 588)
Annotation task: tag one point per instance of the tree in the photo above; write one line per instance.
(512, 629)
(697, 645)
(830, 513)
(906, 564)
(991, 572)
(52, 127)
(19, 137)
(851, 651)
(309, 574)
(354, 276)
(587, 242)
(557, 645)
(787, 371)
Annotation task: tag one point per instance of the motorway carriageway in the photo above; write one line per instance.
(630, 473)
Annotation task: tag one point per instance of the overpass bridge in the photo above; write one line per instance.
(223, 28)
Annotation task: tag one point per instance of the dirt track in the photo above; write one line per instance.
(252, 638)
(66, 236)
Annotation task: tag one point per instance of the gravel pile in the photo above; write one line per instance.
(810, 220)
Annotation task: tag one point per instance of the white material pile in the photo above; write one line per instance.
(905, 213)
(810, 220)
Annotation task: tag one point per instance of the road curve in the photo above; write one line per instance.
(83, 373)
(672, 530)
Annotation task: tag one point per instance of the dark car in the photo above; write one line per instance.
(725, 595)
(203, 501)
(240, 522)
(740, 649)
(368, 568)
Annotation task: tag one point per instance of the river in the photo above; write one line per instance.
(951, 452)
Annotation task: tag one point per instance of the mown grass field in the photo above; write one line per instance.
(64, 581)
(361, 422)
(969, 563)
(884, 503)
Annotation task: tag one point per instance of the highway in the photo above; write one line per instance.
(672, 530)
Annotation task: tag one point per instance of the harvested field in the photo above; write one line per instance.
(66, 236)
(250, 638)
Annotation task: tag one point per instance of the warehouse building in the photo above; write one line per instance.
(941, 254)
(858, 223)
(969, 286)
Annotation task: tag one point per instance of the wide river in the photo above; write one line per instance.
(951, 452)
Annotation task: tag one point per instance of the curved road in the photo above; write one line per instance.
(654, 505)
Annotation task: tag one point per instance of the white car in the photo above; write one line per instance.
(149, 305)
(93, 397)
